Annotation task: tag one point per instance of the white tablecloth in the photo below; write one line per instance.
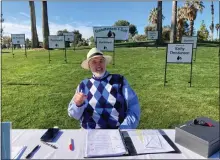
(31, 138)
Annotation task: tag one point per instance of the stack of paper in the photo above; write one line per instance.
(101, 143)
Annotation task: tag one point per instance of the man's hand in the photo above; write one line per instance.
(79, 98)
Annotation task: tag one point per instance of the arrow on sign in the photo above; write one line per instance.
(18, 41)
(56, 45)
(105, 47)
(179, 58)
(68, 39)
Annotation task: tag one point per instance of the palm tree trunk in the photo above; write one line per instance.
(45, 25)
(173, 23)
(159, 22)
(34, 41)
(212, 12)
(191, 27)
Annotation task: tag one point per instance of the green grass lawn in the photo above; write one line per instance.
(35, 94)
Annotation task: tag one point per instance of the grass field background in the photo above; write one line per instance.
(35, 94)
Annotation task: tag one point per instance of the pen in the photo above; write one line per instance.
(53, 146)
(32, 152)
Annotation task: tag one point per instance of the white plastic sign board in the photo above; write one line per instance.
(179, 53)
(119, 32)
(18, 38)
(105, 44)
(190, 39)
(56, 41)
(152, 35)
(69, 36)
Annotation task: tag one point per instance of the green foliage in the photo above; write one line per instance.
(139, 38)
(203, 32)
(132, 27)
(166, 33)
(149, 28)
(36, 94)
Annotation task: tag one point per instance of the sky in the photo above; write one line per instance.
(82, 16)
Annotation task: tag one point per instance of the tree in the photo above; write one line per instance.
(166, 33)
(203, 32)
(34, 42)
(181, 22)
(159, 23)
(60, 32)
(149, 28)
(173, 22)
(152, 19)
(217, 27)
(45, 25)
(133, 29)
(212, 24)
(77, 36)
(192, 7)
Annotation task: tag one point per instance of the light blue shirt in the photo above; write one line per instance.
(132, 119)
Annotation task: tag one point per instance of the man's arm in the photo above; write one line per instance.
(74, 110)
(132, 119)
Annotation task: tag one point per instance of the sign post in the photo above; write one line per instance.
(179, 54)
(106, 44)
(56, 42)
(18, 39)
(190, 39)
(152, 35)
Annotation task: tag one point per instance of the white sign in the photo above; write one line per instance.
(152, 35)
(56, 41)
(179, 53)
(69, 36)
(105, 44)
(119, 32)
(18, 38)
(190, 39)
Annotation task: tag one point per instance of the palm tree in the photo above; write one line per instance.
(159, 21)
(45, 25)
(181, 21)
(34, 42)
(217, 27)
(173, 23)
(192, 7)
(212, 24)
(153, 16)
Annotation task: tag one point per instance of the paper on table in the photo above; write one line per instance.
(149, 141)
(17, 151)
(104, 143)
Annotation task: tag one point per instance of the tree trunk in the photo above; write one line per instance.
(45, 25)
(173, 23)
(212, 12)
(159, 22)
(34, 41)
(191, 27)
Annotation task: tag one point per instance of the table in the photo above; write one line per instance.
(31, 138)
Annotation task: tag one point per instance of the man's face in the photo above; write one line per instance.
(97, 66)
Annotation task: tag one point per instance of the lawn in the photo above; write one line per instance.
(35, 94)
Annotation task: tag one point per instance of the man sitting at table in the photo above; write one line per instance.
(105, 100)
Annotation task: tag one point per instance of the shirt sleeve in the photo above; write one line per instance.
(74, 110)
(132, 119)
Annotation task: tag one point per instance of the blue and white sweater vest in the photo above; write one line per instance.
(105, 103)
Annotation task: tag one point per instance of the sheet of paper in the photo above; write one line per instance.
(149, 141)
(104, 143)
(17, 151)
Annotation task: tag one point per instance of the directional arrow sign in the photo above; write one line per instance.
(105, 47)
(56, 41)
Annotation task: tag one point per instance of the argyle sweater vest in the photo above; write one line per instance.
(105, 106)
